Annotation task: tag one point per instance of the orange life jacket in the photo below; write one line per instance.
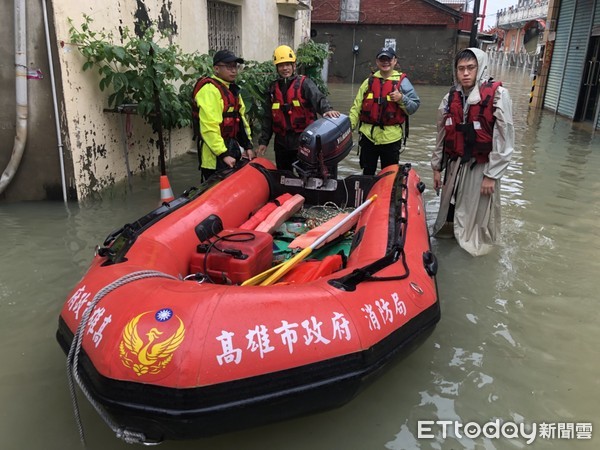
(259, 216)
(376, 107)
(472, 138)
(290, 112)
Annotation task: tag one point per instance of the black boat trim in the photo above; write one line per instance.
(396, 240)
(170, 413)
(117, 243)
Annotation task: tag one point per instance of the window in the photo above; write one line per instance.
(223, 26)
(286, 31)
(349, 10)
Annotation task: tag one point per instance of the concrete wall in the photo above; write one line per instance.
(94, 136)
(38, 175)
(425, 54)
(94, 148)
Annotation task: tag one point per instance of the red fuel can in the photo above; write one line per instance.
(235, 255)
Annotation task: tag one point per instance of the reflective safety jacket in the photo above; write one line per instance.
(290, 111)
(471, 137)
(231, 108)
(377, 108)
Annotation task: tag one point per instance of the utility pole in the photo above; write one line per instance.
(473, 40)
(483, 15)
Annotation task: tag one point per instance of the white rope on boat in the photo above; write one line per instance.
(73, 360)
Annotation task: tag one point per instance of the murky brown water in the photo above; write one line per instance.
(518, 339)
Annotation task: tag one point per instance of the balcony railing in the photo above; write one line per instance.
(523, 14)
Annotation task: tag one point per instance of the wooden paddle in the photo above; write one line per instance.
(273, 274)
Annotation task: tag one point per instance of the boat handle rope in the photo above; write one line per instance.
(367, 273)
(131, 437)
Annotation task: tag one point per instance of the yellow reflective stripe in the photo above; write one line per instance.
(370, 95)
(295, 102)
(275, 106)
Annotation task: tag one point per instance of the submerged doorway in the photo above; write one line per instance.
(589, 95)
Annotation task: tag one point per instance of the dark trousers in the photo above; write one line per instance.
(233, 150)
(371, 153)
(206, 173)
(286, 150)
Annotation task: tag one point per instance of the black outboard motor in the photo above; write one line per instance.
(323, 144)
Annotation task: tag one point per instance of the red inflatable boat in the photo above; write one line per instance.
(175, 331)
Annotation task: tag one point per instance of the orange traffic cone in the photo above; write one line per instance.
(166, 193)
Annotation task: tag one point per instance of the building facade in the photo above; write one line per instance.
(423, 32)
(72, 147)
(523, 25)
(569, 78)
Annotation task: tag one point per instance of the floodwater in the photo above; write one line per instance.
(517, 342)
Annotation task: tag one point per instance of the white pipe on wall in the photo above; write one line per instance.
(21, 95)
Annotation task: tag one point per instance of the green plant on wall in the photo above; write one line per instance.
(310, 59)
(130, 71)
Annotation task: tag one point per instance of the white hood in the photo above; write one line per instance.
(482, 75)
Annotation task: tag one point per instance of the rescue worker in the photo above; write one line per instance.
(475, 140)
(294, 102)
(224, 128)
(383, 103)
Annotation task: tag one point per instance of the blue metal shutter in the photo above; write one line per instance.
(580, 40)
(559, 54)
(568, 60)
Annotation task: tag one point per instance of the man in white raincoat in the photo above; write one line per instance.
(475, 141)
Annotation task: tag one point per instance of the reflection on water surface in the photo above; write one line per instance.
(517, 340)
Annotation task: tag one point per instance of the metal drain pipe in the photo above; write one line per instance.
(21, 95)
(55, 104)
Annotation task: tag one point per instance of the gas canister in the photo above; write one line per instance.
(233, 256)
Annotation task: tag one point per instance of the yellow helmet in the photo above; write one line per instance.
(283, 54)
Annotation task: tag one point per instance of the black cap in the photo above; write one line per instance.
(226, 56)
(386, 51)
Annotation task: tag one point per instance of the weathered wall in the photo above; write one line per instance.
(94, 147)
(413, 12)
(424, 34)
(386, 12)
(424, 53)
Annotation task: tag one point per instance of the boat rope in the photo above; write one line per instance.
(128, 436)
(396, 252)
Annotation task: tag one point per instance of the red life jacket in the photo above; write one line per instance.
(377, 108)
(292, 112)
(473, 138)
(231, 108)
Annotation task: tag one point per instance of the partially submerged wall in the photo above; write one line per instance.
(104, 144)
(100, 155)
(99, 145)
(425, 54)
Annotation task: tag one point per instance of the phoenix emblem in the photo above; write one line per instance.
(151, 352)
